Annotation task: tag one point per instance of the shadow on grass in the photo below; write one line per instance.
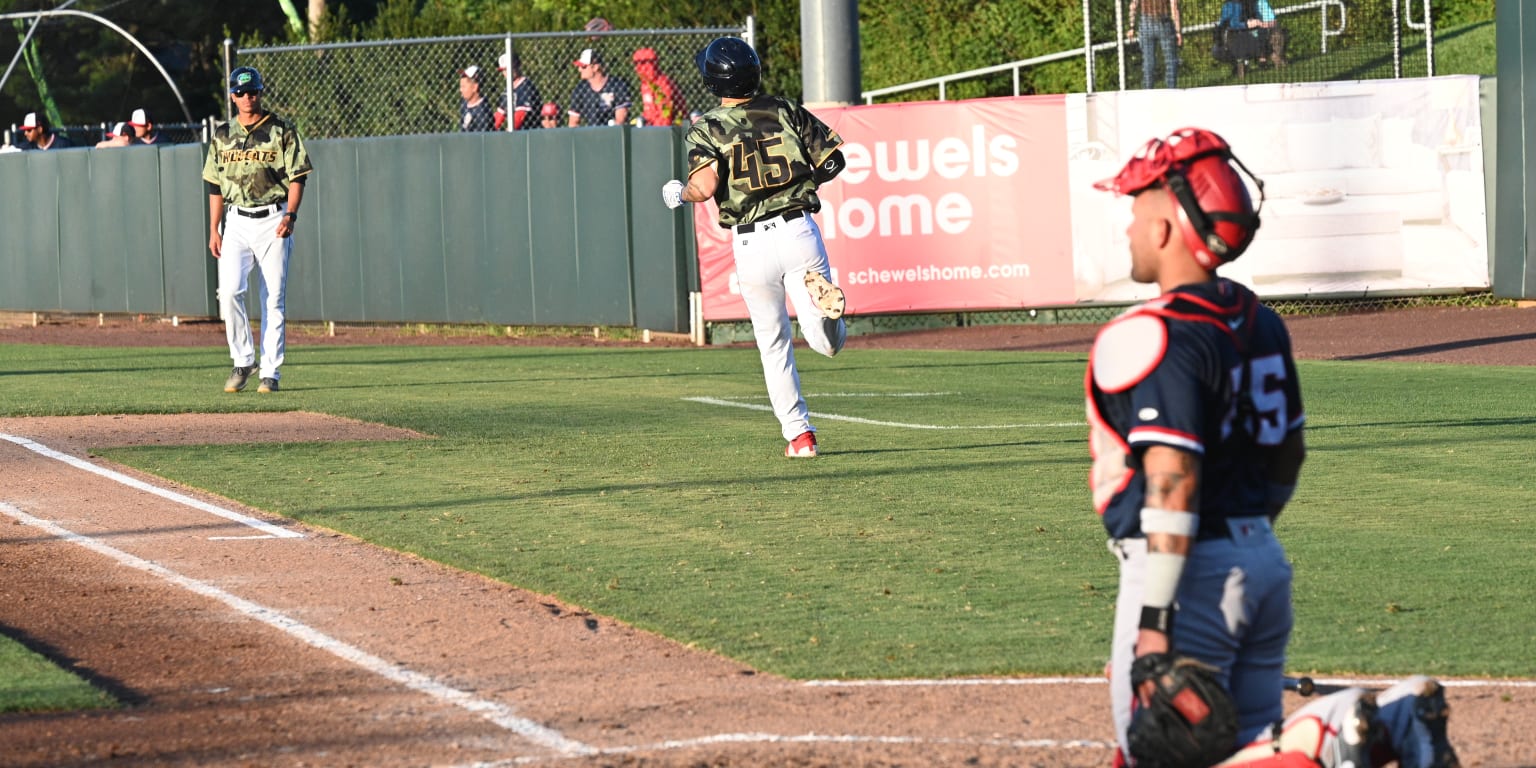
(1444, 347)
(120, 693)
(567, 491)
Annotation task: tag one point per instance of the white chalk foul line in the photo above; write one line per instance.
(820, 395)
(815, 738)
(956, 681)
(271, 530)
(499, 714)
(1448, 682)
(877, 423)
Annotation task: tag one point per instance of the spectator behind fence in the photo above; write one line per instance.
(549, 115)
(523, 99)
(600, 98)
(1161, 35)
(661, 101)
(1271, 34)
(121, 135)
(144, 131)
(34, 129)
(1236, 41)
(597, 24)
(475, 112)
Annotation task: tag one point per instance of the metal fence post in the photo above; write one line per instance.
(1429, 41)
(1088, 45)
(229, 46)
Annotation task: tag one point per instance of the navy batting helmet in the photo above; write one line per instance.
(730, 68)
(1217, 214)
(245, 79)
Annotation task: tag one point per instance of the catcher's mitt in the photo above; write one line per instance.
(1185, 719)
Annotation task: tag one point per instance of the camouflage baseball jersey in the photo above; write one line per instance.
(764, 151)
(253, 167)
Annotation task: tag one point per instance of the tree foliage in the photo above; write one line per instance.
(96, 77)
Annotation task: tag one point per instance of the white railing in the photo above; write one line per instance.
(1016, 67)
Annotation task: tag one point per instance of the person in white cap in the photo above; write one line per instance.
(524, 98)
(600, 98)
(120, 136)
(144, 131)
(475, 113)
(34, 129)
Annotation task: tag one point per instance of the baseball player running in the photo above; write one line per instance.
(257, 167)
(1196, 417)
(761, 158)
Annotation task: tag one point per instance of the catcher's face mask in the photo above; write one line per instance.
(1217, 215)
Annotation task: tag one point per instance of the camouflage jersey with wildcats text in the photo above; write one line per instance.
(253, 166)
(764, 150)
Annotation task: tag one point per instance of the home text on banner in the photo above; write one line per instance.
(943, 206)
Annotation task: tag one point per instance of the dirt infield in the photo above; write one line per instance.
(237, 638)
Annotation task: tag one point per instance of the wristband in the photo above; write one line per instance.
(291, 215)
(1172, 521)
(1158, 619)
(1163, 572)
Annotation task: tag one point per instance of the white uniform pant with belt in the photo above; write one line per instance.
(254, 243)
(771, 263)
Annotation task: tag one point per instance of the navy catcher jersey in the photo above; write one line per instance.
(1204, 368)
(764, 151)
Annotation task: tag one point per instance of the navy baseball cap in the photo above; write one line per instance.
(245, 79)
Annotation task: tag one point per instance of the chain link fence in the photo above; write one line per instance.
(89, 135)
(1229, 42)
(396, 87)
(1273, 41)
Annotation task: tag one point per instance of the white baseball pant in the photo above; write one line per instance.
(251, 243)
(771, 263)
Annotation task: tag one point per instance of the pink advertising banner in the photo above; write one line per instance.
(943, 206)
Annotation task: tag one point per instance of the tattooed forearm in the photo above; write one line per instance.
(1173, 479)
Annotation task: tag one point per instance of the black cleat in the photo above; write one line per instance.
(238, 376)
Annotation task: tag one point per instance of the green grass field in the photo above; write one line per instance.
(31, 683)
(946, 530)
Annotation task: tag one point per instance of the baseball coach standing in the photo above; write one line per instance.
(255, 172)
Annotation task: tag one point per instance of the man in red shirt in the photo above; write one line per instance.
(661, 100)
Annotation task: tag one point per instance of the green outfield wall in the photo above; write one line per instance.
(561, 227)
(1515, 188)
(539, 228)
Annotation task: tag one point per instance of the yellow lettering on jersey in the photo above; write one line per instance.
(248, 156)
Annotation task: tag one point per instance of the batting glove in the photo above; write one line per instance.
(672, 193)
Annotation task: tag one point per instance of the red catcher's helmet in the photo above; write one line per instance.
(1217, 215)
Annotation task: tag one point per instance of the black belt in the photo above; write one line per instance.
(1220, 529)
(260, 212)
(1214, 533)
(742, 229)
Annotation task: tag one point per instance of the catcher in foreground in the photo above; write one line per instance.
(1195, 414)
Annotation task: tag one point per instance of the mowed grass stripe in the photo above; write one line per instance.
(901, 552)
